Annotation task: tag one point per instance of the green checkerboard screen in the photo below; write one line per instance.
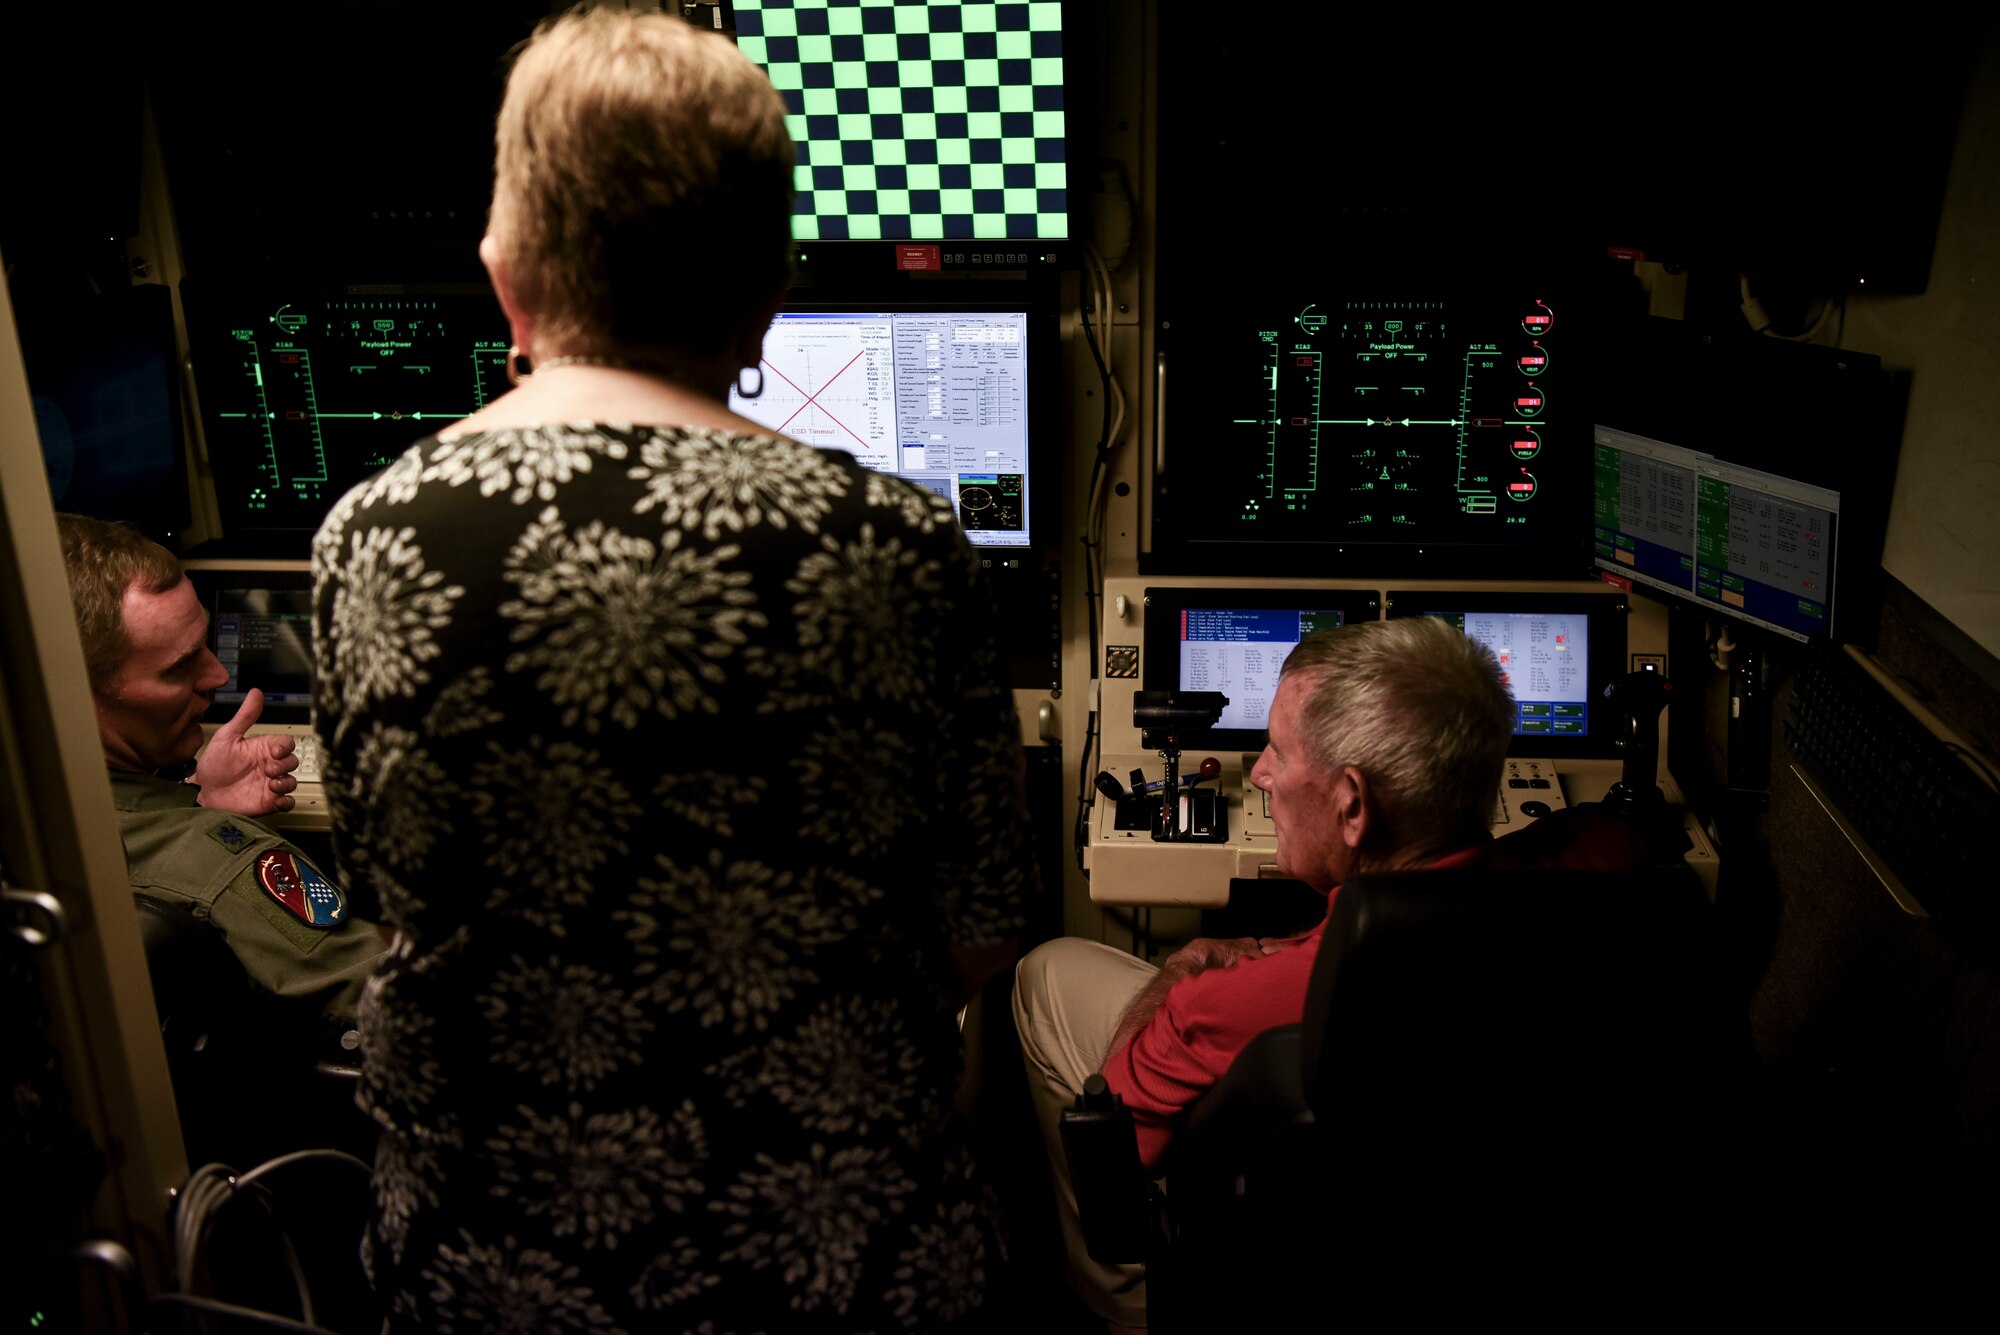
(919, 120)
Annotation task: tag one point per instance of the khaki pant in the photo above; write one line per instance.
(1069, 995)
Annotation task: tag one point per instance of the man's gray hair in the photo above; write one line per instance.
(1418, 707)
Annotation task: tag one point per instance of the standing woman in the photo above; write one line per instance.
(681, 757)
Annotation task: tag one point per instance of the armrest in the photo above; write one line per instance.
(1262, 1091)
(1115, 1200)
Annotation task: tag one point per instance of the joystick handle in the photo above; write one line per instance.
(1639, 697)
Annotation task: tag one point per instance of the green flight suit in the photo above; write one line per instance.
(205, 861)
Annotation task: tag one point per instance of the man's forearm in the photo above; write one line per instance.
(1140, 1013)
(1194, 957)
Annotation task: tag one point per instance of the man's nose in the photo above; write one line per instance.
(214, 676)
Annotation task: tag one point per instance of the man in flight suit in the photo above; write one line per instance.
(189, 841)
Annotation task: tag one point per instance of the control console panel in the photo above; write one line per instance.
(1129, 866)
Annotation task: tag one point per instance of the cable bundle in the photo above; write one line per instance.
(207, 1192)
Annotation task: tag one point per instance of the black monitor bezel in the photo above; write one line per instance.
(1200, 309)
(1160, 655)
(1608, 614)
(1824, 417)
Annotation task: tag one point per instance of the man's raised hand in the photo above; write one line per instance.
(251, 776)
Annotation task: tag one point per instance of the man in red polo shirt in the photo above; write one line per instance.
(1387, 741)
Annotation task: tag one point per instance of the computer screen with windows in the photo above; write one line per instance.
(260, 627)
(1558, 653)
(1234, 640)
(1746, 544)
(942, 395)
(1745, 477)
(264, 637)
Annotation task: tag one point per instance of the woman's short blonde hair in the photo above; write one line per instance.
(642, 191)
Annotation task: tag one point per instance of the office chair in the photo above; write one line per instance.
(248, 1084)
(255, 1095)
(1508, 1087)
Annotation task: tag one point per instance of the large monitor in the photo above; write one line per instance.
(1746, 478)
(944, 393)
(306, 391)
(1361, 425)
(919, 121)
(1558, 651)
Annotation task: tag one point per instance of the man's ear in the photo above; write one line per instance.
(501, 274)
(1354, 807)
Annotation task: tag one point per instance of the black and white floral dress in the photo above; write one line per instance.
(678, 757)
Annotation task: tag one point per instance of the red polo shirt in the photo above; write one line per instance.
(1209, 1018)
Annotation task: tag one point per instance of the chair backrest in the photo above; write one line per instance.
(1529, 998)
(1479, 1048)
(199, 986)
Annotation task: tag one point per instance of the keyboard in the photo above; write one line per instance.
(1886, 771)
(305, 746)
(308, 754)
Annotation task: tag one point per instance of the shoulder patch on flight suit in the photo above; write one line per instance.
(232, 837)
(296, 884)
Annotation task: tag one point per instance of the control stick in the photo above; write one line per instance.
(1639, 697)
(1165, 719)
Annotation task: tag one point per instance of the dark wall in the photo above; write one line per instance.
(1880, 1031)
